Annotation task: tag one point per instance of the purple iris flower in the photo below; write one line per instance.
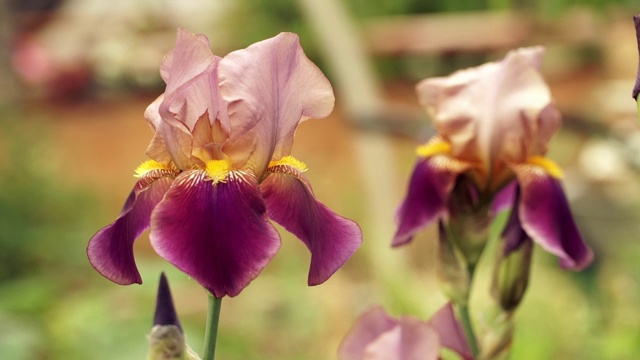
(494, 122)
(221, 167)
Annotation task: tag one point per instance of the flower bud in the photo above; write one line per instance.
(511, 272)
(166, 341)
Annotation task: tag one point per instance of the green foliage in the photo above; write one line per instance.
(41, 216)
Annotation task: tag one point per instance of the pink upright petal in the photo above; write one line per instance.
(270, 86)
(331, 238)
(450, 331)
(218, 234)
(495, 113)
(192, 90)
(378, 336)
(411, 339)
(367, 329)
(431, 183)
(546, 217)
(110, 250)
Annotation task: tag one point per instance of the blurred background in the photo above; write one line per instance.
(77, 75)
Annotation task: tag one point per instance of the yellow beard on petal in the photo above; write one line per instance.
(548, 165)
(149, 165)
(437, 147)
(290, 161)
(217, 170)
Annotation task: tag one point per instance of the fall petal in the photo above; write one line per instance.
(330, 238)
(218, 234)
(110, 250)
(270, 86)
(546, 217)
(503, 200)
(427, 196)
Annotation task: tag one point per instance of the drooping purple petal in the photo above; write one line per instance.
(451, 334)
(429, 188)
(503, 200)
(330, 238)
(270, 86)
(377, 336)
(218, 234)
(636, 86)
(546, 217)
(110, 250)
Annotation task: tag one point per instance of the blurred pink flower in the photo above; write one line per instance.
(221, 167)
(376, 335)
(494, 122)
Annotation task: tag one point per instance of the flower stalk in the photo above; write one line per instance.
(467, 326)
(211, 331)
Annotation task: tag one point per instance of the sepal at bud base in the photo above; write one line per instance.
(452, 269)
(469, 219)
(166, 342)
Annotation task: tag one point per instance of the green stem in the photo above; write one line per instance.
(211, 332)
(465, 318)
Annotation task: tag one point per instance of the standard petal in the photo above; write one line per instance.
(368, 327)
(270, 86)
(377, 336)
(187, 61)
(110, 250)
(451, 334)
(218, 234)
(496, 112)
(419, 341)
(331, 238)
(192, 90)
(411, 339)
(431, 183)
(546, 217)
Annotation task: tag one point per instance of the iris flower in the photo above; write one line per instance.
(221, 167)
(376, 335)
(494, 122)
